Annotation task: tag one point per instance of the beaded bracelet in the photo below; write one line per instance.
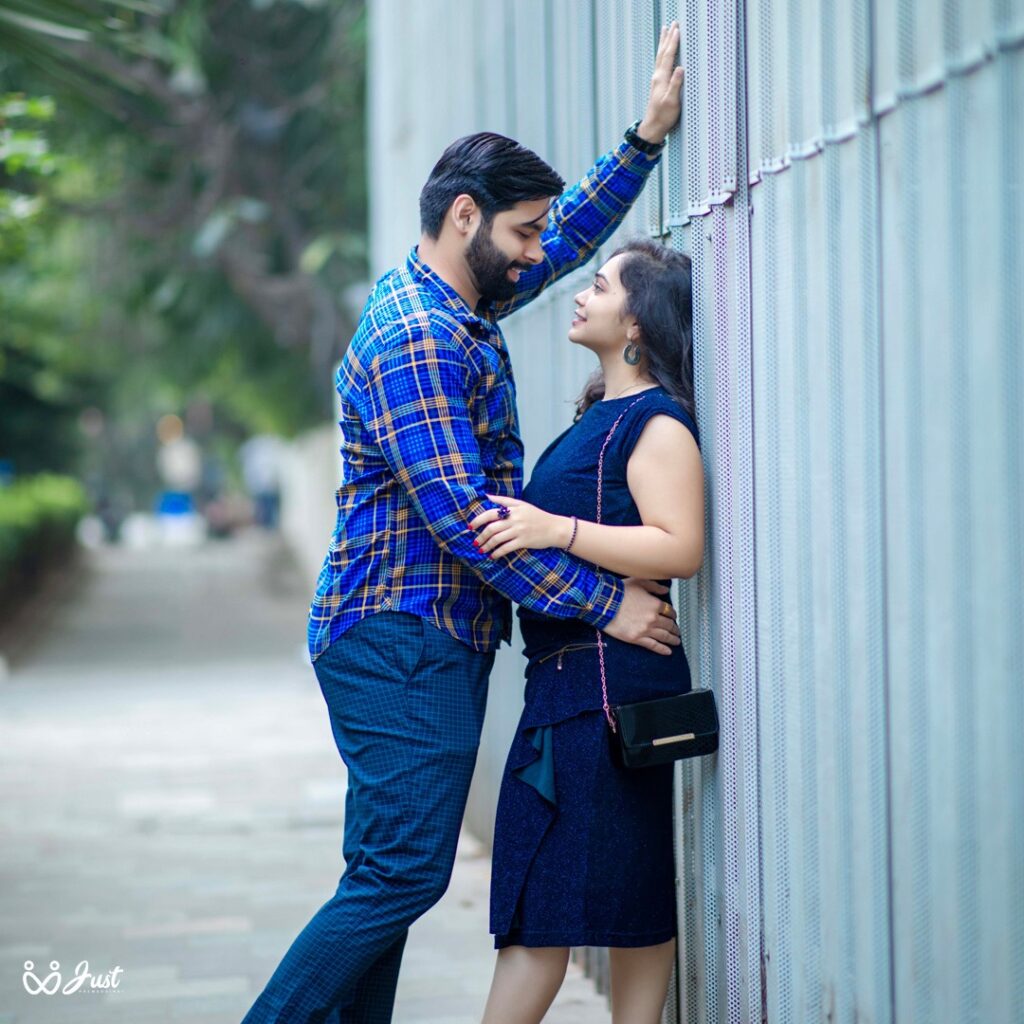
(572, 539)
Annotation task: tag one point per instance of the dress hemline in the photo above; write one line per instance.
(610, 940)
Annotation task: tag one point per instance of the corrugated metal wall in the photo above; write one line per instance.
(849, 182)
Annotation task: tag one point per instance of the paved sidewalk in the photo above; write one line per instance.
(171, 799)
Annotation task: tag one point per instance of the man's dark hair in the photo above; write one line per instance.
(497, 172)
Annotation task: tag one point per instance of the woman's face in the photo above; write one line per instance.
(599, 323)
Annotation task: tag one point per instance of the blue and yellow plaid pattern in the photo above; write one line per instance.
(429, 426)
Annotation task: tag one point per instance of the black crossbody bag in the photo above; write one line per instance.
(652, 732)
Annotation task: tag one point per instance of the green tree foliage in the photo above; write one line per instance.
(182, 205)
(42, 381)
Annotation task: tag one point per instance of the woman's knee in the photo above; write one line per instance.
(640, 978)
(526, 981)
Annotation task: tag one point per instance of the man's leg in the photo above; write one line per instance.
(406, 703)
(375, 993)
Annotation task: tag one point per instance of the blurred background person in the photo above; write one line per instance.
(261, 457)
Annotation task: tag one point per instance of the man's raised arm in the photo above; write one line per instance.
(586, 215)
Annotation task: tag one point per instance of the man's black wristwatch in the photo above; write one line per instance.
(649, 148)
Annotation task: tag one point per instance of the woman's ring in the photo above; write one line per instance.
(503, 512)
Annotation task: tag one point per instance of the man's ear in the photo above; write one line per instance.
(463, 213)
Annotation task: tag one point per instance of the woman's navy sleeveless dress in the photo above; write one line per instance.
(583, 850)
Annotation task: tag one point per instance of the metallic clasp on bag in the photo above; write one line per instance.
(662, 740)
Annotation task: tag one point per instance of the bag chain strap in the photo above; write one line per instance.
(600, 478)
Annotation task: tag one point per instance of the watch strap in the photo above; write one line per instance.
(633, 138)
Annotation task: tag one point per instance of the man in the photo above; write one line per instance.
(408, 613)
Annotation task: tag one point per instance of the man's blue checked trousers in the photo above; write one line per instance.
(406, 703)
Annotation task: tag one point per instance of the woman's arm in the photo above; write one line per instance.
(666, 480)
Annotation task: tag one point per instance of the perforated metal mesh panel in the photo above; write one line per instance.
(855, 850)
(949, 363)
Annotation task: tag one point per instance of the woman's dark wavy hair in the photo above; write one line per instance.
(658, 293)
(496, 171)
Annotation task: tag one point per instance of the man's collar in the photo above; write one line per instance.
(446, 294)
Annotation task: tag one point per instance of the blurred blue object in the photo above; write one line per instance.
(175, 503)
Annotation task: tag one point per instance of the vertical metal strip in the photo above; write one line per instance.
(511, 68)
(809, 1003)
(961, 370)
(839, 925)
(768, 10)
(843, 965)
(646, 31)
(1011, 159)
(551, 69)
(674, 192)
(696, 143)
(769, 412)
(777, 928)
(794, 73)
(718, 97)
(877, 569)
(693, 617)
(918, 902)
(733, 57)
(914, 958)
(595, 70)
(705, 970)
(736, 157)
(875, 539)
(728, 641)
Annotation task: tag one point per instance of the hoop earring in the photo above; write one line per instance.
(631, 354)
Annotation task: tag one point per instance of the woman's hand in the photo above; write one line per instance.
(526, 526)
(664, 103)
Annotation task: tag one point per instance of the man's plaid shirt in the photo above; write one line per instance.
(429, 426)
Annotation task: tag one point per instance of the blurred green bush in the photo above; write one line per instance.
(38, 516)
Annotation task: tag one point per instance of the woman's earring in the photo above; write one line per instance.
(631, 354)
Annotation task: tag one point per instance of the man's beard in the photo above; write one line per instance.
(490, 266)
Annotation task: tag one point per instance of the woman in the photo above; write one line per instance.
(583, 847)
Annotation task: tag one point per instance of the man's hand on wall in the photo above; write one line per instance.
(664, 103)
